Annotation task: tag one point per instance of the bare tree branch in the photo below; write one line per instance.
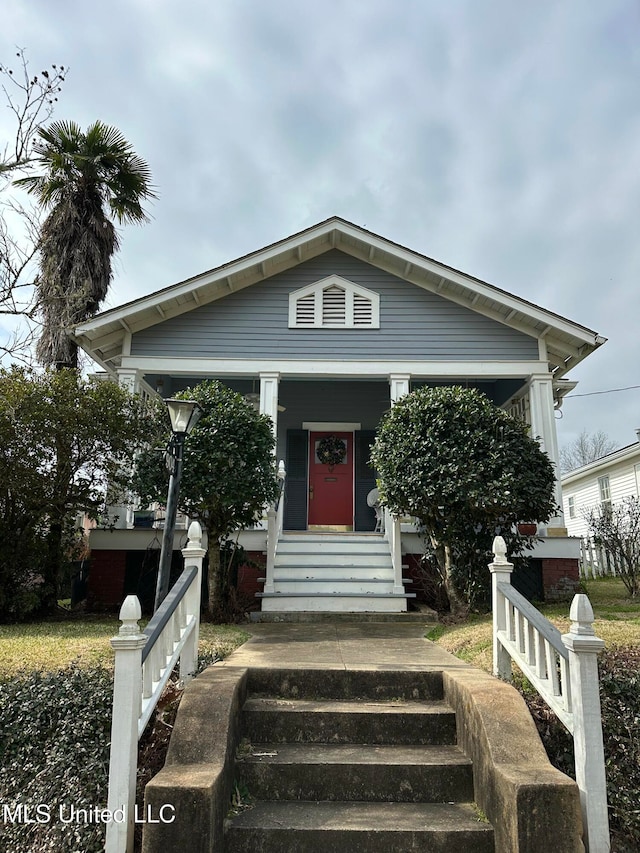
(31, 99)
(586, 448)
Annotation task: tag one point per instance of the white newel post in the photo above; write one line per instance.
(193, 555)
(500, 570)
(271, 548)
(274, 528)
(396, 556)
(127, 701)
(399, 384)
(583, 647)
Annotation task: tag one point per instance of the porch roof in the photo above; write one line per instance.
(105, 336)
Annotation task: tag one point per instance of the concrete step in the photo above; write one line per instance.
(336, 558)
(332, 586)
(422, 616)
(328, 542)
(356, 827)
(344, 685)
(387, 721)
(346, 602)
(283, 571)
(348, 772)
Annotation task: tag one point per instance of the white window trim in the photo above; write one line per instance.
(350, 290)
(604, 489)
(331, 426)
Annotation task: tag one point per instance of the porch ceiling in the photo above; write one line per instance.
(106, 336)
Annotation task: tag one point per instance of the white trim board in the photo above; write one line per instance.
(325, 426)
(319, 368)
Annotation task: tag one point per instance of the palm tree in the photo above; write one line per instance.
(85, 177)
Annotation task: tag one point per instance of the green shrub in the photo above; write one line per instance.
(54, 751)
(467, 471)
(620, 701)
(620, 697)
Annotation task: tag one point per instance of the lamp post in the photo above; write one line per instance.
(184, 415)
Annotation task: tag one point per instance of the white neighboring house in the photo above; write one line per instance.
(605, 481)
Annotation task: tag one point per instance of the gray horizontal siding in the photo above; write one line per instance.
(324, 400)
(414, 324)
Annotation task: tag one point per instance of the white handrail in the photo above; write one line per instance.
(564, 670)
(275, 517)
(143, 663)
(392, 533)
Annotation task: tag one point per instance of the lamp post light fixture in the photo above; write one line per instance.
(184, 414)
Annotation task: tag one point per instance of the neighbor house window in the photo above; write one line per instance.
(572, 507)
(334, 303)
(605, 491)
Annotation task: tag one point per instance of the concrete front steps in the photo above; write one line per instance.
(334, 707)
(358, 762)
(335, 573)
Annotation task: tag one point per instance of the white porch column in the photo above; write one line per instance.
(399, 383)
(121, 515)
(543, 428)
(129, 378)
(269, 398)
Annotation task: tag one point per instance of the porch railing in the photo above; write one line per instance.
(392, 534)
(144, 661)
(596, 561)
(563, 668)
(275, 515)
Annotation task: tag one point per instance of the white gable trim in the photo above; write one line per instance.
(566, 343)
(321, 306)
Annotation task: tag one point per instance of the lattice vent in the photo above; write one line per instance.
(334, 307)
(305, 310)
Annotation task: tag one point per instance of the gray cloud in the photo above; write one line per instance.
(499, 138)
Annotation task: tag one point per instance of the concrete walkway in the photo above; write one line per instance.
(343, 645)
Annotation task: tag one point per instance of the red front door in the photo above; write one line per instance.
(331, 479)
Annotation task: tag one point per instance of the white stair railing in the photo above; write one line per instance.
(392, 534)
(564, 670)
(144, 661)
(275, 516)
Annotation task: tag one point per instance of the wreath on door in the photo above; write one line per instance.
(331, 450)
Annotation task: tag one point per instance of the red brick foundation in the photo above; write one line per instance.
(248, 574)
(560, 578)
(107, 575)
(106, 580)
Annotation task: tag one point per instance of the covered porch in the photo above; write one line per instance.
(309, 409)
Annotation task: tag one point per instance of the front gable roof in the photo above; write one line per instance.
(567, 343)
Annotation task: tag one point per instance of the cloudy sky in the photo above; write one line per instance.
(501, 138)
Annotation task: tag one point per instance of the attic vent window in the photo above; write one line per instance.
(334, 306)
(305, 310)
(334, 303)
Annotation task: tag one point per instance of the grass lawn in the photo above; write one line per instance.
(617, 623)
(53, 645)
